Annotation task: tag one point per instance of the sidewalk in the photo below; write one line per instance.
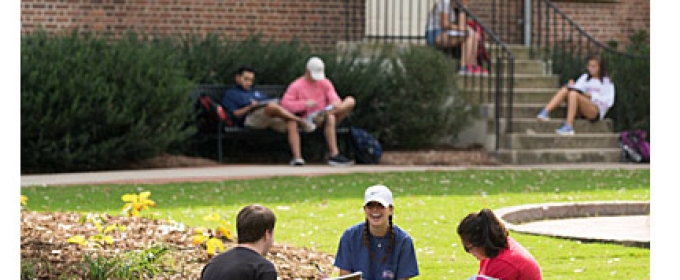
(227, 172)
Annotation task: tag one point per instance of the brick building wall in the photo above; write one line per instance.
(320, 23)
(603, 20)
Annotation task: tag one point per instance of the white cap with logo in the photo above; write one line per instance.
(316, 68)
(380, 194)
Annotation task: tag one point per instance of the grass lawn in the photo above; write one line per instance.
(314, 211)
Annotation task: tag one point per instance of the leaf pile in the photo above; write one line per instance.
(46, 253)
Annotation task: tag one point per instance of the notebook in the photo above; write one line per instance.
(353, 276)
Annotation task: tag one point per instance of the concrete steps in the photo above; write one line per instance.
(531, 141)
(550, 156)
(531, 126)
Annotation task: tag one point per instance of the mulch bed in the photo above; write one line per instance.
(45, 249)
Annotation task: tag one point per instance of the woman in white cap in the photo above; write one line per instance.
(376, 247)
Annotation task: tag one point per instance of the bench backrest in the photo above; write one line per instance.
(216, 91)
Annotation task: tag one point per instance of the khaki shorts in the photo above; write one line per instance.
(258, 119)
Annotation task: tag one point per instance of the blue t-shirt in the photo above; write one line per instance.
(237, 97)
(353, 256)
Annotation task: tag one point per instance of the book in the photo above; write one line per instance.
(581, 90)
(262, 103)
(352, 276)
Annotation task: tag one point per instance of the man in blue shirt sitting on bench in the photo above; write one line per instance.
(253, 109)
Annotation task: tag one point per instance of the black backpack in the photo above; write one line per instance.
(367, 149)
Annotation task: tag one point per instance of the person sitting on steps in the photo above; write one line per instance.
(447, 28)
(591, 96)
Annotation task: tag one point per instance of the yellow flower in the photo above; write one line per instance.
(212, 245)
(212, 217)
(198, 239)
(24, 199)
(136, 203)
(225, 229)
(78, 239)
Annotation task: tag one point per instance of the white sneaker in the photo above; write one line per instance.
(307, 126)
(297, 162)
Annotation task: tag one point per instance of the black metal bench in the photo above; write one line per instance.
(223, 132)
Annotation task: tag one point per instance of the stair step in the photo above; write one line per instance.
(519, 95)
(526, 67)
(472, 82)
(577, 141)
(520, 51)
(548, 156)
(524, 110)
(532, 126)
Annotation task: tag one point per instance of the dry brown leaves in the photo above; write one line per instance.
(44, 244)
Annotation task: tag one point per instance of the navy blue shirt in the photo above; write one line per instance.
(237, 97)
(353, 256)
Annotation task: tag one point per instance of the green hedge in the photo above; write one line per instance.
(92, 102)
(88, 103)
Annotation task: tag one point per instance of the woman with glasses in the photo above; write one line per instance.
(500, 256)
(376, 247)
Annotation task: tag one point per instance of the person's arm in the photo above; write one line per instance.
(332, 96)
(291, 100)
(244, 110)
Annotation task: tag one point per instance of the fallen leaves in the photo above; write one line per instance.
(46, 251)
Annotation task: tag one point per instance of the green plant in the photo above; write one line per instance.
(28, 269)
(87, 102)
(211, 239)
(101, 237)
(100, 267)
(143, 264)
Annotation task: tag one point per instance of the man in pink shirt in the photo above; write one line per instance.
(313, 96)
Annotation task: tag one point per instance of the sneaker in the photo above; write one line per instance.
(297, 162)
(339, 160)
(478, 70)
(565, 130)
(543, 115)
(307, 126)
(317, 118)
(466, 70)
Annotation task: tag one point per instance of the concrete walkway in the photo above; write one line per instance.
(619, 228)
(226, 172)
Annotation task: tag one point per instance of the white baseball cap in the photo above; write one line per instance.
(380, 194)
(316, 68)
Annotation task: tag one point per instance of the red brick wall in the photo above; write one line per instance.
(604, 21)
(320, 23)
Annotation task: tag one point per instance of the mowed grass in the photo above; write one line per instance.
(313, 212)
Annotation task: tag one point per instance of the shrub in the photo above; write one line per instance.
(88, 104)
(409, 100)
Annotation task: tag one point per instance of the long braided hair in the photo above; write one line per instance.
(367, 243)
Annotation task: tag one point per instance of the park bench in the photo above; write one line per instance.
(222, 132)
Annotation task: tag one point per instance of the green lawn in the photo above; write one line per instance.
(314, 211)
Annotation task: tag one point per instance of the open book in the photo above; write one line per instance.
(266, 101)
(353, 276)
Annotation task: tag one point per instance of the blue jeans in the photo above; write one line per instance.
(431, 36)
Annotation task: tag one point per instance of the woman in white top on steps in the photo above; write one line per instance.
(590, 97)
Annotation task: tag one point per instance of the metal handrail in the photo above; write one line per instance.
(369, 26)
(555, 36)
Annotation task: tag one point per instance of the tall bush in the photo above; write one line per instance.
(90, 103)
(409, 100)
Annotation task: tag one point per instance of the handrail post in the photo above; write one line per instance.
(527, 23)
